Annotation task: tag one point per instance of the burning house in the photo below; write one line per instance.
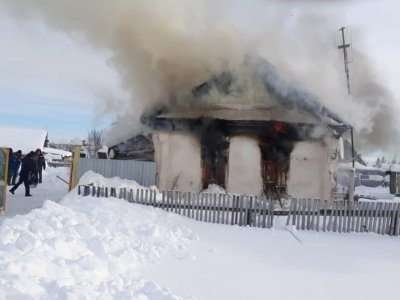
(280, 143)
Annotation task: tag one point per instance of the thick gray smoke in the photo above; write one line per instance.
(162, 49)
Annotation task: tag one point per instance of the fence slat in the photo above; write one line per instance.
(303, 214)
(308, 225)
(335, 212)
(324, 218)
(340, 216)
(294, 212)
(385, 209)
(299, 210)
(130, 196)
(318, 210)
(290, 212)
(264, 213)
(271, 213)
(349, 217)
(397, 221)
(359, 206)
(371, 214)
(241, 217)
(392, 218)
(224, 210)
(344, 215)
(380, 217)
(210, 208)
(389, 218)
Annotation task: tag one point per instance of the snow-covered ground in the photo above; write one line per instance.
(51, 188)
(98, 248)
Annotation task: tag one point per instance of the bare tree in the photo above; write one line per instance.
(94, 141)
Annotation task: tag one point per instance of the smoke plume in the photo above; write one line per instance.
(162, 49)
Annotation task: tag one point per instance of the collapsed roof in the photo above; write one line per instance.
(223, 97)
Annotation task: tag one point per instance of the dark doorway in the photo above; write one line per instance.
(275, 161)
(214, 156)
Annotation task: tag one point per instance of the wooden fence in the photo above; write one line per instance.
(303, 214)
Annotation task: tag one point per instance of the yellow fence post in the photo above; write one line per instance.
(73, 175)
(4, 160)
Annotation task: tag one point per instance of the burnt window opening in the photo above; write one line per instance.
(214, 157)
(275, 163)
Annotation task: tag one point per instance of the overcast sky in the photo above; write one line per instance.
(51, 80)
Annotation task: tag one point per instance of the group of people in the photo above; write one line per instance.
(32, 166)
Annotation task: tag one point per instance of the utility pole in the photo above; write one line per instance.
(344, 46)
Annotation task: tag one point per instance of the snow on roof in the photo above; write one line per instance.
(394, 168)
(57, 151)
(358, 166)
(22, 139)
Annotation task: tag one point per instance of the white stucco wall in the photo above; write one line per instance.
(244, 167)
(312, 167)
(178, 160)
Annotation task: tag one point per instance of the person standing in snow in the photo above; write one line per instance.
(15, 162)
(41, 163)
(28, 168)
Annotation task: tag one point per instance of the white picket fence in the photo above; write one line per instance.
(244, 210)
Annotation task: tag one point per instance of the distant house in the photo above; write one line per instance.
(52, 154)
(22, 139)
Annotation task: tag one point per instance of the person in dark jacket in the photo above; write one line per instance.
(15, 162)
(28, 168)
(41, 163)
